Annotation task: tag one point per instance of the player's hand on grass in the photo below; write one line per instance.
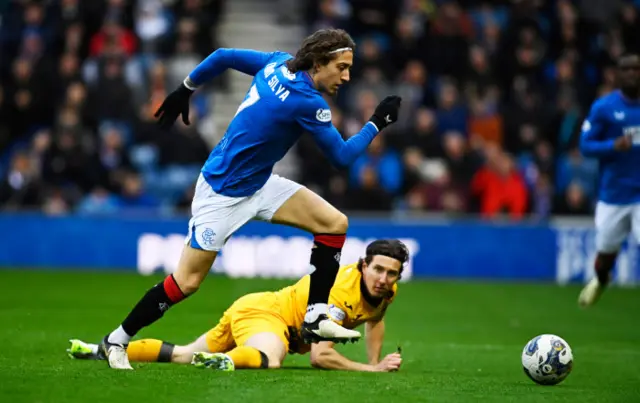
(177, 103)
(386, 112)
(623, 143)
(389, 363)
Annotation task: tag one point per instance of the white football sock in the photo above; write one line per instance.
(314, 310)
(119, 336)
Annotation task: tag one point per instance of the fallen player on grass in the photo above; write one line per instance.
(258, 329)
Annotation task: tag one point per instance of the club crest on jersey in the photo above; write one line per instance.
(323, 115)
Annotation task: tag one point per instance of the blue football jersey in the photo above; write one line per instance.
(278, 108)
(610, 117)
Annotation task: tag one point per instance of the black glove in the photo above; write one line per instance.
(175, 104)
(386, 112)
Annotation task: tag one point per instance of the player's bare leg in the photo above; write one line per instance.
(310, 212)
(192, 269)
(593, 290)
(261, 351)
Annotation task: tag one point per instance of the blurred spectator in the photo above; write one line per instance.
(181, 62)
(151, 24)
(372, 16)
(113, 156)
(451, 112)
(112, 36)
(327, 14)
(499, 187)
(629, 25)
(542, 197)
(485, 122)
(410, 42)
(134, 195)
(99, 201)
(422, 135)
(439, 193)
(479, 77)
(368, 194)
(574, 168)
(20, 187)
(385, 165)
(111, 97)
(573, 201)
(461, 162)
(451, 32)
(413, 87)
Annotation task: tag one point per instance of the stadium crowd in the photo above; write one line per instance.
(494, 94)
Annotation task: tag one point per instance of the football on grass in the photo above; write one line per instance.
(547, 359)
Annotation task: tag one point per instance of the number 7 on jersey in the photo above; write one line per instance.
(250, 99)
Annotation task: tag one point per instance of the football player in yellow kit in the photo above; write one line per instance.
(259, 329)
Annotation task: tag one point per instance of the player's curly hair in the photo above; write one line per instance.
(317, 48)
(392, 248)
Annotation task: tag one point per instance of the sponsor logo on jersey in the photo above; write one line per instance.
(323, 115)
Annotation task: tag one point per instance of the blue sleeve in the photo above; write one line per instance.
(592, 141)
(315, 117)
(244, 60)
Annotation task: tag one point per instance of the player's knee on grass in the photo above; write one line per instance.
(271, 346)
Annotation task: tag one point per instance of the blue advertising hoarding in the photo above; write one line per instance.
(561, 251)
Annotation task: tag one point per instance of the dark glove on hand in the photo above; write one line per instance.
(386, 112)
(177, 103)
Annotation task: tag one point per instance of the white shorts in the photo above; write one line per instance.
(214, 217)
(614, 223)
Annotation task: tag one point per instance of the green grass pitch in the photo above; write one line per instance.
(461, 342)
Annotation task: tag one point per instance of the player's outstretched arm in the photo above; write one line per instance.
(243, 60)
(592, 143)
(324, 356)
(316, 118)
(374, 337)
(177, 103)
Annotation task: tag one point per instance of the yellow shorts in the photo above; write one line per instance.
(248, 316)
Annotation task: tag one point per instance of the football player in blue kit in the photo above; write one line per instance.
(236, 183)
(611, 133)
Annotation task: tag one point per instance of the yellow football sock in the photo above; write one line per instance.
(150, 350)
(248, 357)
